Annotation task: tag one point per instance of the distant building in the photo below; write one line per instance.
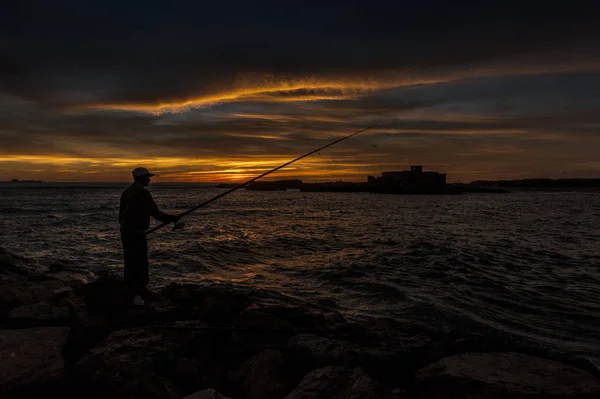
(414, 178)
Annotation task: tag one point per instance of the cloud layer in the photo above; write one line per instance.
(223, 93)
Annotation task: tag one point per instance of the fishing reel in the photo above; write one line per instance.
(179, 225)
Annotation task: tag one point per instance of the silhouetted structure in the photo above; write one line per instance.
(409, 181)
(278, 185)
(413, 181)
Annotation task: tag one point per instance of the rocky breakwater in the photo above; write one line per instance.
(224, 341)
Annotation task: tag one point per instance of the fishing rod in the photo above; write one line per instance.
(152, 230)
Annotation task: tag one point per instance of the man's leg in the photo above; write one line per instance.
(136, 277)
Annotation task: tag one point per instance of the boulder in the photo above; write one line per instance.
(283, 312)
(72, 278)
(265, 376)
(388, 354)
(206, 394)
(243, 306)
(38, 315)
(128, 363)
(86, 332)
(31, 358)
(336, 382)
(14, 267)
(223, 302)
(503, 375)
(160, 361)
(21, 293)
(319, 351)
(106, 297)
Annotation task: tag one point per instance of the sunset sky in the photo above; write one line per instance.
(226, 90)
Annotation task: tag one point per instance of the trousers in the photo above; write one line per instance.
(136, 273)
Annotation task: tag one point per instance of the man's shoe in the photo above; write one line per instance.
(150, 296)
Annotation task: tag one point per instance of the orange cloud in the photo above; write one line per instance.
(268, 88)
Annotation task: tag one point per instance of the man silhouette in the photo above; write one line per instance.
(136, 207)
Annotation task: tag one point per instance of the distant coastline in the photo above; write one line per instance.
(477, 186)
(482, 186)
(25, 181)
(538, 184)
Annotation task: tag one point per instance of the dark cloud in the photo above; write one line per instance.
(482, 88)
(151, 52)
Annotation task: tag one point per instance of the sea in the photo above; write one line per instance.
(524, 264)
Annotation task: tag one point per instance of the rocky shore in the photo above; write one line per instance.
(66, 333)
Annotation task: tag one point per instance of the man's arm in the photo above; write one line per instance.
(157, 213)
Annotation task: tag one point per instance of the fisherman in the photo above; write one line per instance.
(137, 205)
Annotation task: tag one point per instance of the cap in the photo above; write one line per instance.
(139, 172)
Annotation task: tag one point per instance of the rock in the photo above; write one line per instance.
(388, 358)
(27, 292)
(72, 278)
(280, 313)
(86, 332)
(14, 267)
(336, 383)
(106, 297)
(127, 363)
(243, 306)
(397, 393)
(38, 315)
(221, 301)
(206, 394)
(216, 310)
(265, 376)
(56, 267)
(159, 361)
(31, 358)
(506, 375)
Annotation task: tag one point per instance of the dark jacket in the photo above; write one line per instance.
(137, 205)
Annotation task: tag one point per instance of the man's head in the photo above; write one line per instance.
(142, 175)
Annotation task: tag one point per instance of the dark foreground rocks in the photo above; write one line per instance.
(504, 375)
(222, 341)
(31, 360)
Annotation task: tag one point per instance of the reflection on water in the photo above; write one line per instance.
(525, 264)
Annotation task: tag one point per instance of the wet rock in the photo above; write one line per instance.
(106, 297)
(283, 313)
(388, 354)
(265, 376)
(38, 315)
(14, 267)
(318, 351)
(72, 278)
(228, 304)
(56, 267)
(206, 394)
(396, 393)
(506, 375)
(215, 303)
(336, 383)
(86, 332)
(179, 357)
(20, 293)
(127, 363)
(31, 358)
(448, 346)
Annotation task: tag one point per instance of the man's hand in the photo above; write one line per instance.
(179, 224)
